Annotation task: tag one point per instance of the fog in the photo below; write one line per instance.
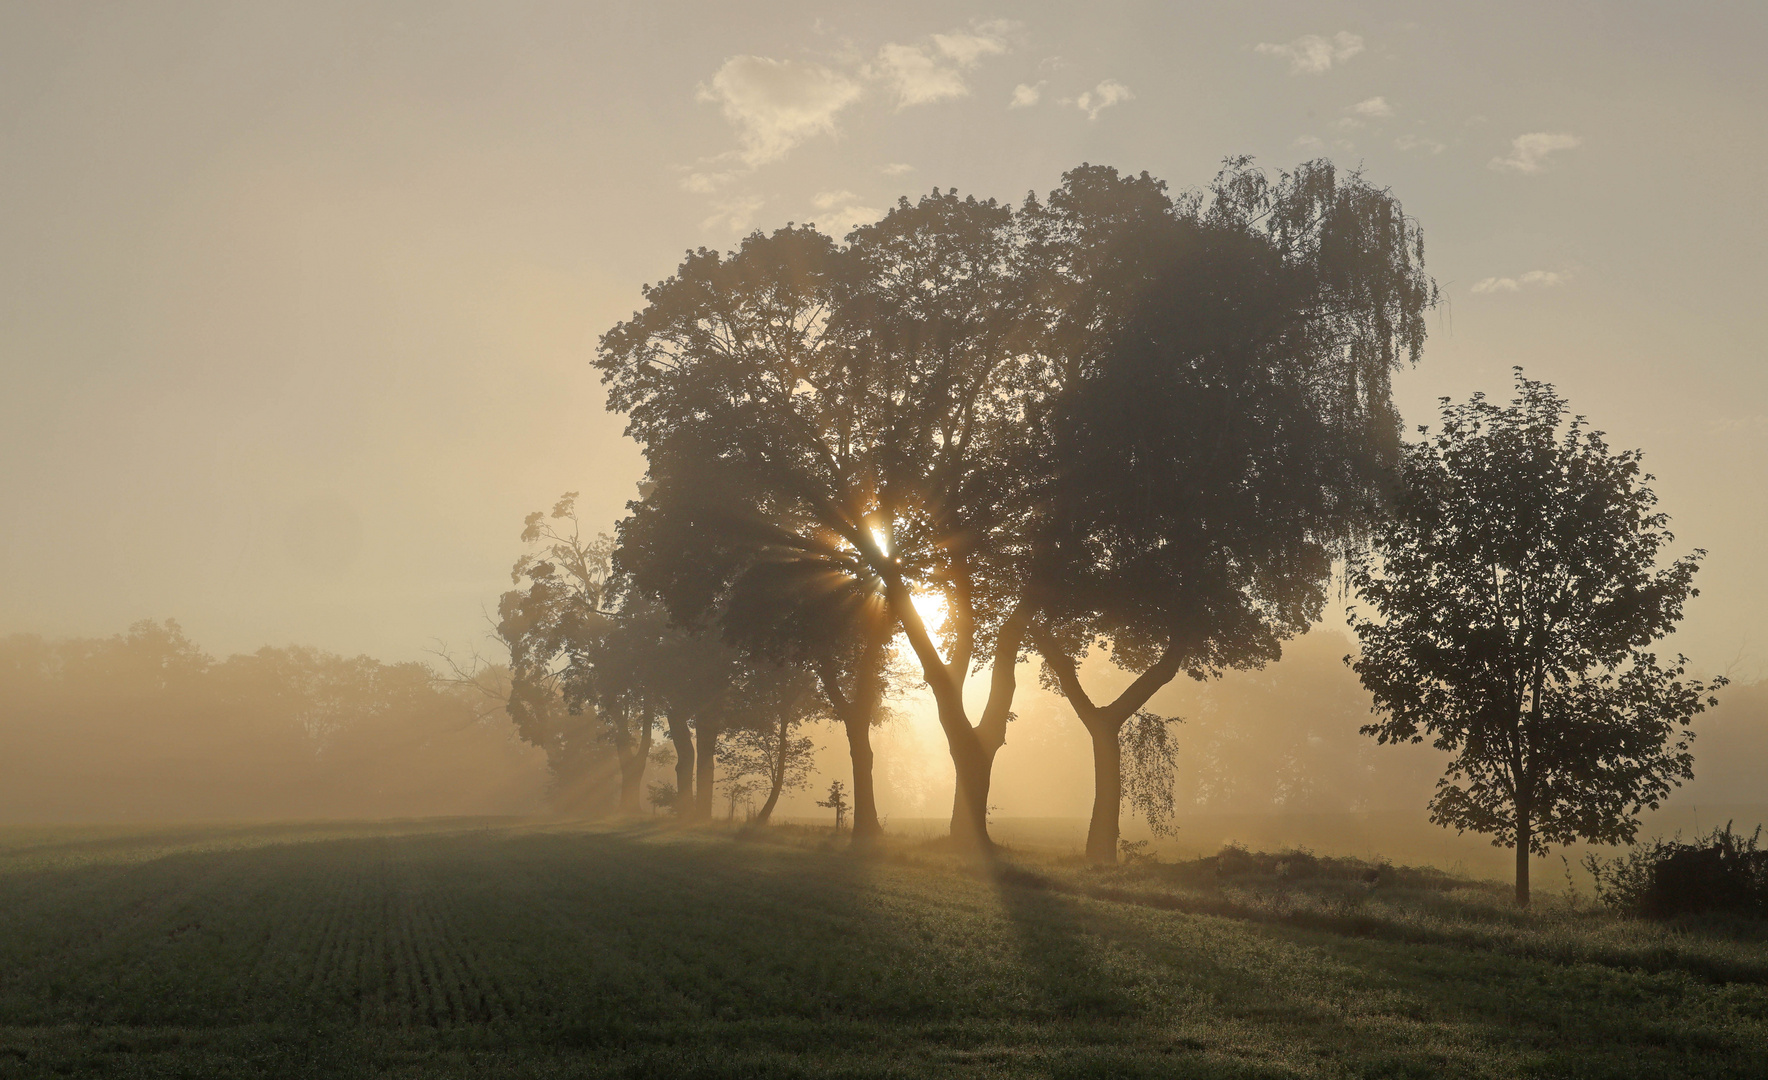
(300, 306)
(144, 726)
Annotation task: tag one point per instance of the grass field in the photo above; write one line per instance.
(496, 950)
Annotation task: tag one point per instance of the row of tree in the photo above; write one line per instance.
(145, 725)
(1111, 421)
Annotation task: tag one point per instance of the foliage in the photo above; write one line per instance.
(1721, 872)
(1517, 595)
(981, 403)
(837, 801)
(1148, 774)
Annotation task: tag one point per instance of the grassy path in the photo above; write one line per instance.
(494, 950)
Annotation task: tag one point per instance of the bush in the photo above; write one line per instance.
(1722, 872)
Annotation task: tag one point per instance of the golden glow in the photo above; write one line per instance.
(932, 609)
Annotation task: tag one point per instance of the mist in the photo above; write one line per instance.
(144, 726)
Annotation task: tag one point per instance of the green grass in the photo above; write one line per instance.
(491, 950)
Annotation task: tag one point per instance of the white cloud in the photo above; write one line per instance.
(1102, 97)
(897, 168)
(841, 208)
(1025, 96)
(736, 215)
(966, 49)
(774, 105)
(923, 74)
(1375, 107)
(1528, 153)
(916, 77)
(1313, 54)
(1416, 142)
(1310, 143)
(1534, 279)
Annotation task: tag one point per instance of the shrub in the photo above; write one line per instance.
(1722, 872)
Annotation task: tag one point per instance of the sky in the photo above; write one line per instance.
(298, 302)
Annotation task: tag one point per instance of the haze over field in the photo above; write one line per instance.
(298, 304)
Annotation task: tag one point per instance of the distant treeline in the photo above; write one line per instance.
(144, 725)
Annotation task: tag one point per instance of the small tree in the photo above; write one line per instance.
(837, 801)
(1517, 595)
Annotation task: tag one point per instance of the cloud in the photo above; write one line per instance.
(1102, 97)
(1311, 143)
(1375, 107)
(1026, 96)
(1415, 142)
(1727, 425)
(1313, 54)
(1534, 279)
(842, 208)
(923, 74)
(736, 215)
(822, 200)
(967, 49)
(775, 105)
(897, 168)
(1528, 153)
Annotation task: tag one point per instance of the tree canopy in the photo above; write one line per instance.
(1515, 597)
(1115, 417)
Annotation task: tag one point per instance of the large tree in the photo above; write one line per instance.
(845, 405)
(594, 662)
(918, 409)
(552, 615)
(1516, 596)
(1210, 385)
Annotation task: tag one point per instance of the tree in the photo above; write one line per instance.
(1211, 384)
(844, 404)
(933, 408)
(694, 546)
(1516, 595)
(837, 801)
(551, 628)
(777, 701)
(770, 437)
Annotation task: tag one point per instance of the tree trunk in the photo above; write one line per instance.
(683, 738)
(1103, 830)
(705, 760)
(858, 712)
(974, 773)
(777, 780)
(866, 826)
(1105, 725)
(1524, 835)
(632, 780)
(972, 748)
(632, 766)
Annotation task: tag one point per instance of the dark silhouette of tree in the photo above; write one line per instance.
(759, 488)
(932, 409)
(1517, 598)
(698, 547)
(1211, 383)
(776, 701)
(839, 405)
(550, 627)
(837, 801)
